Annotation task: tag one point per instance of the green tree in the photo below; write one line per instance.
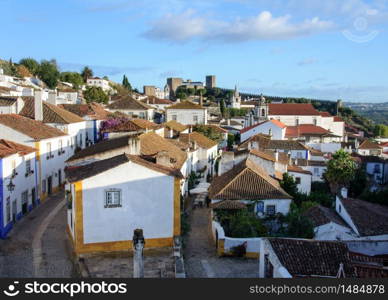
(359, 183)
(31, 64)
(299, 226)
(222, 107)
(289, 185)
(380, 130)
(86, 73)
(95, 94)
(231, 140)
(49, 73)
(341, 170)
(126, 83)
(72, 77)
(209, 132)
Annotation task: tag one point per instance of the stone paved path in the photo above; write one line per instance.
(201, 260)
(43, 231)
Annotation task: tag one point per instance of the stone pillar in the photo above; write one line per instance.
(138, 246)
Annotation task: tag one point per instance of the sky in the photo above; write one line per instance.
(332, 49)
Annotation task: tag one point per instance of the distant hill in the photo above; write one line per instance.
(377, 112)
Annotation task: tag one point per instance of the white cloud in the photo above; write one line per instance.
(189, 25)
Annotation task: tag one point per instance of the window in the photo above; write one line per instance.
(297, 122)
(60, 147)
(377, 168)
(315, 121)
(271, 210)
(25, 197)
(299, 155)
(297, 180)
(339, 208)
(263, 112)
(195, 119)
(112, 198)
(48, 147)
(174, 117)
(28, 167)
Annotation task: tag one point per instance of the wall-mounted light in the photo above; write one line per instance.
(11, 186)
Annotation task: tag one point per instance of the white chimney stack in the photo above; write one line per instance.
(52, 98)
(276, 155)
(344, 193)
(38, 105)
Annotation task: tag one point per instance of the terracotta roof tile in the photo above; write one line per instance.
(174, 125)
(229, 205)
(199, 138)
(78, 173)
(34, 129)
(93, 110)
(185, 105)
(155, 100)
(320, 215)
(312, 258)
(103, 146)
(151, 144)
(305, 129)
(145, 124)
(8, 148)
(367, 144)
(246, 181)
(7, 100)
(297, 169)
(126, 126)
(369, 218)
(51, 113)
(293, 109)
(129, 103)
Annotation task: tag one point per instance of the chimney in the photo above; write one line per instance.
(38, 105)
(228, 122)
(344, 193)
(52, 98)
(163, 158)
(200, 99)
(276, 155)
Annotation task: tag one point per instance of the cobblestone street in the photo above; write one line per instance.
(201, 260)
(37, 245)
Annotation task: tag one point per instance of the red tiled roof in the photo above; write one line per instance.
(154, 100)
(338, 119)
(246, 181)
(294, 109)
(199, 138)
(92, 110)
(305, 129)
(8, 148)
(51, 113)
(367, 144)
(325, 114)
(129, 103)
(34, 129)
(296, 169)
(229, 205)
(312, 258)
(275, 122)
(185, 105)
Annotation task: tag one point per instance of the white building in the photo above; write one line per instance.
(67, 96)
(109, 199)
(187, 113)
(99, 82)
(248, 183)
(132, 108)
(273, 128)
(52, 147)
(18, 185)
(302, 178)
(10, 105)
(80, 131)
(368, 220)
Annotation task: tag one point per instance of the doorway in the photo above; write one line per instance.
(50, 185)
(25, 202)
(14, 211)
(59, 177)
(33, 197)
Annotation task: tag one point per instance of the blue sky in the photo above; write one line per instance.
(322, 49)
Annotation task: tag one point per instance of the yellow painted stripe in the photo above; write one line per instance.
(177, 207)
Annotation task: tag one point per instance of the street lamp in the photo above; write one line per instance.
(11, 186)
